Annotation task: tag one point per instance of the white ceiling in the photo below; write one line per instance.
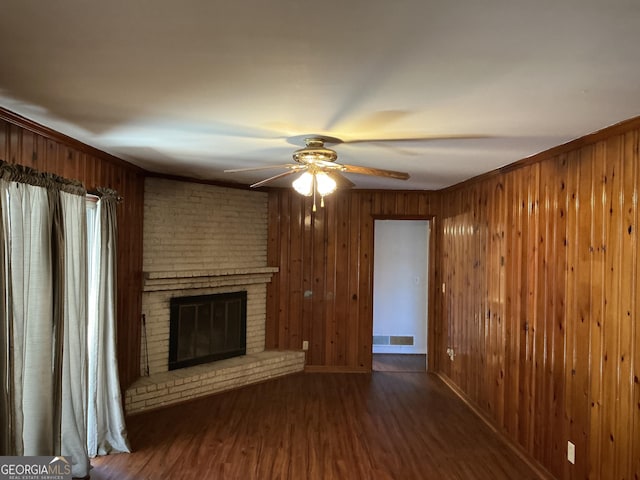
(193, 87)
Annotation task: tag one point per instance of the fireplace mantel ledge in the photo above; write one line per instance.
(190, 279)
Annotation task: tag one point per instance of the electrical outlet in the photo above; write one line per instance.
(571, 452)
(305, 345)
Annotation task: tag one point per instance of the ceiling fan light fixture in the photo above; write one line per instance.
(304, 184)
(320, 173)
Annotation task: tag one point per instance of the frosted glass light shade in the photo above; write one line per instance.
(304, 184)
(325, 184)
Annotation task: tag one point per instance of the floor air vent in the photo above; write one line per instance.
(392, 340)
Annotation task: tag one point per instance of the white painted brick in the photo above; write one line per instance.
(186, 387)
(164, 400)
(212, 378)
(191, 225)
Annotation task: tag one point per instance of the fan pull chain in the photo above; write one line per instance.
(314, 187)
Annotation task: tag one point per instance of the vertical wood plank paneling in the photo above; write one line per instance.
(544, 255)
(343, 267)
(435, 280)
(283, 280)
(500, 233)
(330, 247)
(445, 293)
(27, 154)
(511, 330)
(355, 245)
(526, 320)
(26, 143)
(612, 320)
(464, 343)
(596, 293)
(572, 391)
(582, 294)
(626, 261)
(560, 318)
(484, 300)
(320, 269)
(490, 299)
(517, 291)
(297, 307)
(557, 367)
(633, 153)
(480, 235)
(15, 144)
(325, 284)
(4, 143)
(307, 260)
(365, 287)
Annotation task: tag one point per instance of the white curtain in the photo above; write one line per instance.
(106, 427)
(29, 245)
(6, 363)
(44, 313)
(74, 362)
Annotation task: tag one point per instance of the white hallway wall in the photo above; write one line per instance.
(400, 283)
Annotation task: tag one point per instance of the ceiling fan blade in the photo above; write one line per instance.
(341, 180)
(427, 138)
(375, 171)
(253, 169)
(275, 177)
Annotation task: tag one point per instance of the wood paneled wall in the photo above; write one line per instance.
(27, 143)
(324, 290)
(541, 306)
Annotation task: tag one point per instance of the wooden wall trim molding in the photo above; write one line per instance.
(403, 217)
(514, 447)
(616, 129)
(46, 132)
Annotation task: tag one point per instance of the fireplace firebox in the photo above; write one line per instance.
(207, 328)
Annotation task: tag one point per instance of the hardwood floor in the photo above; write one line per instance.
(318, 426)
(393, 362)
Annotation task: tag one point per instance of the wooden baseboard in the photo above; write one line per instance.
(517, 449)
(333, 369)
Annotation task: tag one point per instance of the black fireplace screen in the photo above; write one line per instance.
(206, 328)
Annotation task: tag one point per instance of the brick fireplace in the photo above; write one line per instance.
(200, 240)
(205, 328)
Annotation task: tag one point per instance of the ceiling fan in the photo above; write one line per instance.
(320, 172)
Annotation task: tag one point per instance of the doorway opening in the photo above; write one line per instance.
(400, 295)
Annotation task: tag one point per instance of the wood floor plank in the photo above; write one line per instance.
(381, 425)
(399, 362)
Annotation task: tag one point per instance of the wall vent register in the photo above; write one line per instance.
(392, 340)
